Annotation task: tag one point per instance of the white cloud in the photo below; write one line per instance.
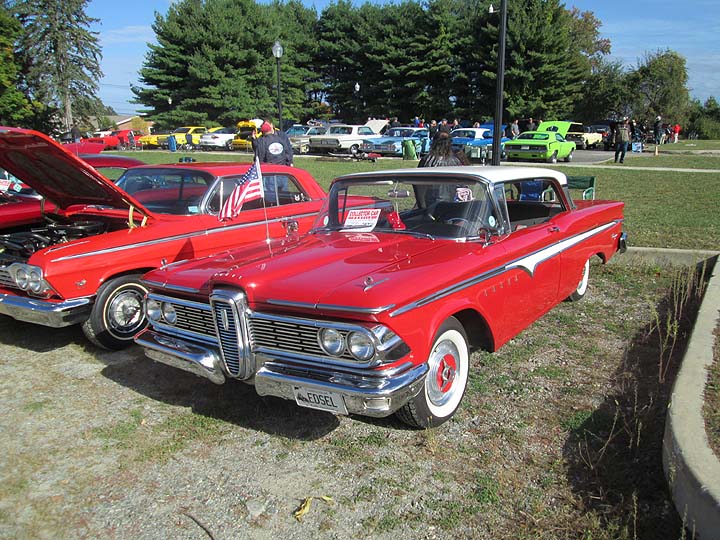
(126, 35)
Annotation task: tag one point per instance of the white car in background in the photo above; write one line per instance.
(219, 138)
(346, 138)
(299, 136)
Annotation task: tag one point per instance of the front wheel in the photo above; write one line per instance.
(118, 314)
(569, 157)
(445, 381)
(582, 286)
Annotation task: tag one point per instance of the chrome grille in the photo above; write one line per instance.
(6, 279)
(228, 336)
(195, 319)
(285, 334)
(231, 324)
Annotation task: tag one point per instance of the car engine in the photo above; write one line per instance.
(19, 246)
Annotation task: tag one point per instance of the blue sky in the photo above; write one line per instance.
(634, 27)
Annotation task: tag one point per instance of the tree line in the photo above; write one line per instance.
(212, 64)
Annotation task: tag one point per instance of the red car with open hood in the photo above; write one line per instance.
(83, 266)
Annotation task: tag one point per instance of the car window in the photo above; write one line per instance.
(532, 202)
(167, 191)
(559, 138)
(279, 190)
(365, 131)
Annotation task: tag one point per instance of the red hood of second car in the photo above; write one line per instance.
(56, 174)
(364, 270)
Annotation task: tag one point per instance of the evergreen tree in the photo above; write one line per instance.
(14, 106)
(60, 56)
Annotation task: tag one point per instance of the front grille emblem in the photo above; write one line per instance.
(224, 320)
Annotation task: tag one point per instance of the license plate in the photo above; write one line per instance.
(320, 399)
(524, 148)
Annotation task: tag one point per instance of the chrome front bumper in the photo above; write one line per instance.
(370, 393)
(38, 311)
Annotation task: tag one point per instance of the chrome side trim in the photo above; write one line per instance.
(52, 314)
(528, 263)
(205, 232)
(169, 286)
(329, 307)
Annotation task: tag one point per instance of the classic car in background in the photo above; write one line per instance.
(217, 138)
(22, 206)
(116, 139)
(84, 265)
(299, 136)
(246, 131)
(346, 138)
(391, 143)
(539, 146)
(475, 142)
(181, 135)
(376, 310)
(151, 141)
(575, 132)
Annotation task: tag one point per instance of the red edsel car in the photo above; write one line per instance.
(84, 264)
(376, 310)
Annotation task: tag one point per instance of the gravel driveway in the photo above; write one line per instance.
(113, 446)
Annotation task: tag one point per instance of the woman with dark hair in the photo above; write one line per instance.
(441, 154)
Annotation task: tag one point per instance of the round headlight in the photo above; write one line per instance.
(34, 282)
(332, 341)
(169, 313)
(21, 278)
(361, 346)
(152, 310)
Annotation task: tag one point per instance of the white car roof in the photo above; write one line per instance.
(492, 175)
(477, 131)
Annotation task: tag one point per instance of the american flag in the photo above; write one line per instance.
(249, 188)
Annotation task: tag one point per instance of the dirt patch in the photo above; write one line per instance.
(558, 436)
(711, 406)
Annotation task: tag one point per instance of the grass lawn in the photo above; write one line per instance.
(672, 161)
(662, 208)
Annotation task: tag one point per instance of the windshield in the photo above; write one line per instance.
(430, 207)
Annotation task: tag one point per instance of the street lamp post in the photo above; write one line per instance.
(500, 83)
(357, 100)
(277, 50)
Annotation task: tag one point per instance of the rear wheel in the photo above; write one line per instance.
(445, 381)
(553, 158)
(579, 293)
(354, 149)
(229, 145)
(118, 314)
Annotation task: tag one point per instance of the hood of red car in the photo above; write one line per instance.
(56, 174)
(353, 269)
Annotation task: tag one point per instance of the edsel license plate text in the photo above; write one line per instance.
(320, 399)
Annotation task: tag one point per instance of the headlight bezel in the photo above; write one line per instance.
(29, 279)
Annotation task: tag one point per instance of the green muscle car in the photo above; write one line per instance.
(539, 146)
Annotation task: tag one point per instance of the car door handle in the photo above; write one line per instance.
(554, 228)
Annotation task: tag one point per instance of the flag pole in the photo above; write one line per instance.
(262, 188)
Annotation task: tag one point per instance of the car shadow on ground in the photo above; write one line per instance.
(614, 457)
(37, 338)
(234, 402)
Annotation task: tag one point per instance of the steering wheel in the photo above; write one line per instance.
(462, 223)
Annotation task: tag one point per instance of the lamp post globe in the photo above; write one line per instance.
(277, 51)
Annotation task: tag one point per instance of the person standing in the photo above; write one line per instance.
(658, 130)
(75, 133)
(514, 129)
(444, 127)
(531, 125)
(676, 132)
(432, 129)
(622, 139)
(273, 146)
